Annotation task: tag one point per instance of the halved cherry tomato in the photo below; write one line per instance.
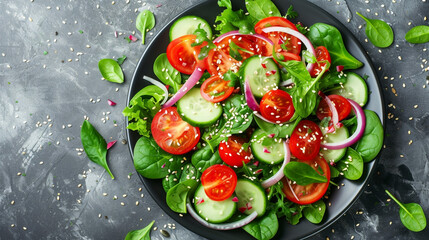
(277, 106)
(172, 134)
(219, 182)
(321, 55)
(341, 104)
(311, 192)
(215, 89)
(234, 152)
(219, 61)
(283, 42)
(305, 140)
(182, 56)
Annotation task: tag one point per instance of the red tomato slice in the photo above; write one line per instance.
(277, 106)
(219, 61)
(233, 153)
(305, 140)
(182, 56)
(341, 104)
(282, 42)
(172, 134)
(219, 182)
(322, 54)
(215, 89)
(312, 192)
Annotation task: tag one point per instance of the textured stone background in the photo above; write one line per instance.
(49, 191)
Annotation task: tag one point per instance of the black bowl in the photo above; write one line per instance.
(342, 199)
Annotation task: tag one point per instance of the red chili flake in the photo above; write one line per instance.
(248, 206)
(340, 68)
(331, 129)
(110, 144)
(258, 171)
(264, 65)
(267, 74)
(167, 86)
(110, 102)
(201, 200)
(242, 209)
(340, 124)
(266, 150)
(280, 41)
(332, 163)
(132, 38)
(159, 5)
(163, 165)
(273, 72)
(235, 199)
(256, 163)
(271, 135)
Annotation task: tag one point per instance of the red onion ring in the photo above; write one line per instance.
(190, 83)
(279, 174)
(158, 84)
(236, 33)
(298, 35)
(361, 123)
(332, 108)
(221, 226)
(250, 99)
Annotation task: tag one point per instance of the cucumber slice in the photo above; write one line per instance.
(187, 25)
(262, 74)
(340, 134)
(355, 88)
(213, 211)
(197, 111)
(251, 196)
(260, 140)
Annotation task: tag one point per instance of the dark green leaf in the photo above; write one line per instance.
(167, 73)
(237, 114)
(334, 172)
(153, 162)
(121, 59)
(372, 141)
(110, 70)
(332, 80)
(418, 34)
(350, 122)
(142, 234)
(411, 215)
(303, 174)
(314, 212)
(233, 51)
(282, 131)
(94, 145)
(260, 9)
(301, 28)
(177, 196)
(351, 165)
(263, 228)
(171, 180)
(322, 34)
(378, 32)
(189, 172)
(231, 77)
(145, 21)
(230, 20)
(291, 14)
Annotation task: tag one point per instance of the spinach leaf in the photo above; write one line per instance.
(418, 34)
(202, 37)
(189, 172)
(110, 70)
(351, 165)
(230, 20)
(372, 141)
(411, 215)
(350, 122)
(143, 107)
(177, 196)
(94, 145)
(121, 59)
(304, 94)
(237, 114)
(262, 9)
(334, 172)
(142, 234)
(378, 32)
(303, 174)
(145, 21)
(204, 158)
(332, 80)
(322, 34)
(171, 180)
(153, 162)
(225, 3)
(282, 131)
(263, 228)
(314, 212)
(167, 73)
(291, 14)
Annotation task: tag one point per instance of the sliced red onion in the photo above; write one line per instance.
(132, 38)
(110, 102)
(110, 144)
(291, 189)
(250, 99)
(271, 135)
(332, 108)
(158, 84)
(190, 83)
(360, 129)
(235, 199)
(237, 33)
(286, 83)
(279, 174)
(340, 68)
(298, 35)
(221, 226)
